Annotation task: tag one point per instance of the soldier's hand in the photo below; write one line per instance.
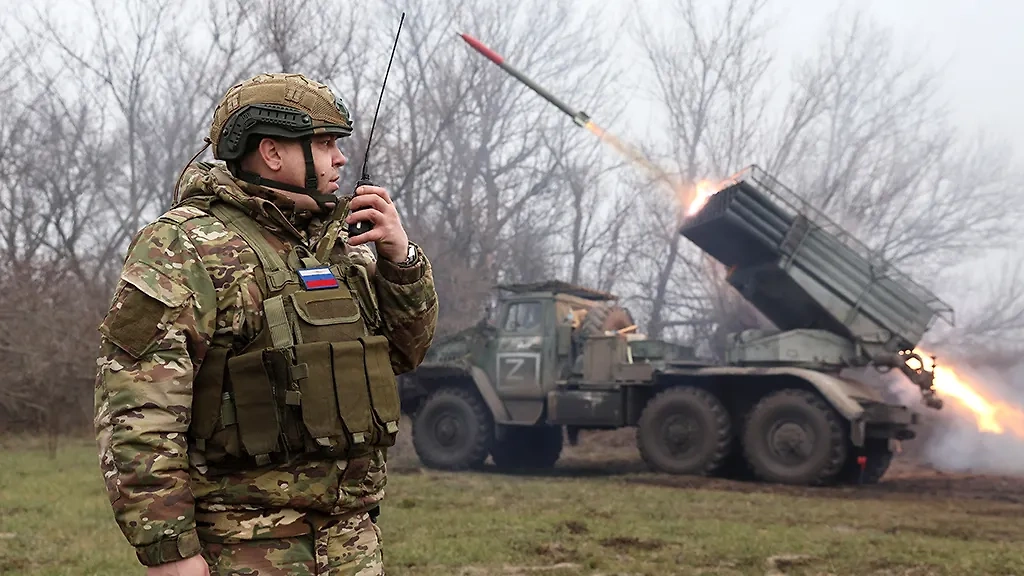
(192, 566)
(374, 204)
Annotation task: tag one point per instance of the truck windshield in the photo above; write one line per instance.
(523, 317)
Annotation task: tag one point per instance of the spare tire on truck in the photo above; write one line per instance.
(603, 317)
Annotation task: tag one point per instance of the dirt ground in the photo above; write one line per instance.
(614, 453)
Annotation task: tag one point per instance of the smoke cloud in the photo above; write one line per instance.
(952, 441)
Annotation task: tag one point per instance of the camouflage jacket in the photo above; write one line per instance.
(189, 283)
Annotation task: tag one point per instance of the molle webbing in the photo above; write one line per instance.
(277, 272)
(332, 230)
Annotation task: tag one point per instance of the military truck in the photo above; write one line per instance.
(559, 358)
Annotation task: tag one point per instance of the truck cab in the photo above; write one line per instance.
(539, 341)
(502, 373)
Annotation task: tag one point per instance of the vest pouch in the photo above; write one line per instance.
(279, 366)
(387, 408)
(213, 423)
(330, 315)
(353, 395)
(207, 392)
(319, 402)
(361, 284)
(255, 406)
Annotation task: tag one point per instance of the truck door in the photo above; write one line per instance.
(521, 360)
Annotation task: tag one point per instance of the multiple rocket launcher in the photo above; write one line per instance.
(794, 265)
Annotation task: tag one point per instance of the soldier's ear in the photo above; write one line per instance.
(271, 154)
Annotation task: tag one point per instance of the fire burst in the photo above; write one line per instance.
(992, 416)
(705, 190)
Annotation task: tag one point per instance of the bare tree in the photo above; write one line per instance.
(474, 151)
(114, 67)
(593, 221)
(879, 154)
(861, 136)
(707, 74)
(48, 350)
(993, 318)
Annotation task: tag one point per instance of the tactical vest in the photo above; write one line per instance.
(314, 381)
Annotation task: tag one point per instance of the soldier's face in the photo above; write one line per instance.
(327, 159)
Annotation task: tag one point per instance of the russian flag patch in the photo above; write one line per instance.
(318, 278)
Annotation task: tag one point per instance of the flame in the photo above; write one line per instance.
(991, 415)
(693, 198)
(705, 190)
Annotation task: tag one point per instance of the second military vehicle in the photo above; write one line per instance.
(562, 358)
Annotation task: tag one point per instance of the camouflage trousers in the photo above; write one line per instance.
(351, 547)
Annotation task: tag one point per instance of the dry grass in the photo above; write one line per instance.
(54, 520)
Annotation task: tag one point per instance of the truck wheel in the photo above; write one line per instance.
(793, 437)
(452, 430)
(684, 430)
(601, 318)
(535, 447)
(876, 467)
(878, 457)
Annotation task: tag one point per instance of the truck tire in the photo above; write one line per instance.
(453, 430)
(684, 430)
(526, 448)
(878, 458)
(793, 437)
(876, 467)
(601, 318)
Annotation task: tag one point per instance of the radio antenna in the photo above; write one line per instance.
(369, 139)
(364, 226)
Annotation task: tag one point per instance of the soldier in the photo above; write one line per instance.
(246, 395)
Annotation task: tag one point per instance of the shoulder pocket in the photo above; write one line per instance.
(145, 301)
(155, 284)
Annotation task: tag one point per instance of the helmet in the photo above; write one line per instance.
(281, 106)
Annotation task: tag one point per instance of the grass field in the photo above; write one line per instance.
(54, 520)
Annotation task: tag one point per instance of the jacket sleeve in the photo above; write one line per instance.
(153, 338)
(408, 308)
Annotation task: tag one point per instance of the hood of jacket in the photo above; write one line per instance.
(203, 183)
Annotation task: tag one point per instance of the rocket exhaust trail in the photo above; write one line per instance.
(583, 120)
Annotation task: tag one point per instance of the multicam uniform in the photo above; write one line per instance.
(244, 409)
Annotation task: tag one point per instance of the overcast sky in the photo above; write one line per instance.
(975, 44)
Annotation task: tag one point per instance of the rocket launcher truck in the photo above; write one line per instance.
(795, 404)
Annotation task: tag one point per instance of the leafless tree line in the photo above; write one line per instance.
(860, 132)
(103, 108)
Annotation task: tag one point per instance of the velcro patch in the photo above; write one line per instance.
(318, 278)
(133, 325)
